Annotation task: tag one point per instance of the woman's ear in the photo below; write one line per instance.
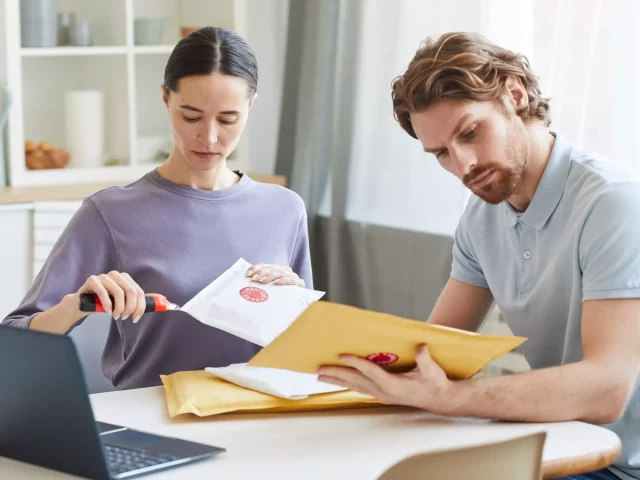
(253, 99)
(165, 97)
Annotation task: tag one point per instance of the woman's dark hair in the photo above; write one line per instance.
(208, 50)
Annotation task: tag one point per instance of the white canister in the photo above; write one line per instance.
(84, 127)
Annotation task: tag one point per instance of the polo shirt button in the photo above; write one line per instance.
(527, 255)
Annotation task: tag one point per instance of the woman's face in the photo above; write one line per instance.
(208, 114)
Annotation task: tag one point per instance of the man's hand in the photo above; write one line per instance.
(426, 387)
(595, 389)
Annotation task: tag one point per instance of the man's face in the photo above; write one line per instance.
(481, 143)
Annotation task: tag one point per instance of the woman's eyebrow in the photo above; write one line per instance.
(189, 107)
(226, 112)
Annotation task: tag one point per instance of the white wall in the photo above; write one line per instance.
(3, 60)
(266, 33)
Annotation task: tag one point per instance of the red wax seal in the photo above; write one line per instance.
(382, 358)
(254, 294)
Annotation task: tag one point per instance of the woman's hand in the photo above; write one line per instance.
(128, 297)
(277, 274)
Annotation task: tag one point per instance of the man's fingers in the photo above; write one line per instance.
(369, 369)
(348, 378)
(332, 380)
(423, 358)
(362, 388)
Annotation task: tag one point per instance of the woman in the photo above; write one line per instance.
(176, 229)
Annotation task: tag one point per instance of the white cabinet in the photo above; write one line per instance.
(27, 235)
(16, 255)
(49, 220)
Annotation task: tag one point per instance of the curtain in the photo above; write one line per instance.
(587, 55)
(382, 212)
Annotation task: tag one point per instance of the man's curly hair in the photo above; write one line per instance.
(465, 67)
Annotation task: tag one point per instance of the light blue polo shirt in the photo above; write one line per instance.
(578, 240)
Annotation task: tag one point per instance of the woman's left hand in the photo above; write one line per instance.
(277, 274)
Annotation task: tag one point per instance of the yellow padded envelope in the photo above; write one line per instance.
(202, 394)
(326, 330)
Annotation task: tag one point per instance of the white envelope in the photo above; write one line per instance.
(250, 310)
(273, 381)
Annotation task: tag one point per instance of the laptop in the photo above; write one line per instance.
(46, 417)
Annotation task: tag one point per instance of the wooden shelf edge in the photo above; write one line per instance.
(60, 193)
(71, 51)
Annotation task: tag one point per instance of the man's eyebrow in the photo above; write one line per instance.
(456, 130)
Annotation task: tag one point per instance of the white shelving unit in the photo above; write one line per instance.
(129, 76)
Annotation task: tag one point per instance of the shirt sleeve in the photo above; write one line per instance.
(301, 257)
(609, 247)
(465, 267)
(86, 247)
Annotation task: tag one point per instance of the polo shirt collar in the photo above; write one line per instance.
(549, 191)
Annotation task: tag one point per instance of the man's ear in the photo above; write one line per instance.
(165, 97)
(253, 99)
(516, 94)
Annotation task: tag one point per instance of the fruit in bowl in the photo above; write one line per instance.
(186, 30)
(44, 155)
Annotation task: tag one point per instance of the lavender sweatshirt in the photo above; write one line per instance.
(173, 240)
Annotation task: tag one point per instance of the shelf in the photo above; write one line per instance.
(129, 76)
(46, 82)
(72, 51)
(68, 192)
(65, 176)
(153, 49)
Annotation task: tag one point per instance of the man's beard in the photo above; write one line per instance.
(507, 175)
(504, 183)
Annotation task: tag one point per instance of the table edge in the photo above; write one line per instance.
(585, 463)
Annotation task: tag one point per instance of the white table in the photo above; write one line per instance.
(347, 444)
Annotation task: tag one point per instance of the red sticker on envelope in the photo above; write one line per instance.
(382, 358)
(254, 294)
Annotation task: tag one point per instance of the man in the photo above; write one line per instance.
(551, 234)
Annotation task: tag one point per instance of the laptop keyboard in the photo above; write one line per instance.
(121, 460)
